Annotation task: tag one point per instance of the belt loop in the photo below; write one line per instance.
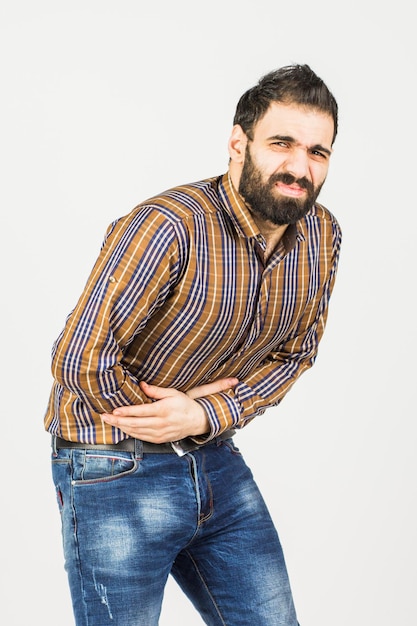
(138, 449)
(53, 445)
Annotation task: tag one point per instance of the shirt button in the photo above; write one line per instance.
(112, 279)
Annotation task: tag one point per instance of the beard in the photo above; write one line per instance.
(265, 204)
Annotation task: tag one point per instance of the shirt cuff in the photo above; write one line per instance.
(223, 412)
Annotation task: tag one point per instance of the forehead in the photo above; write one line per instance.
(304, 124)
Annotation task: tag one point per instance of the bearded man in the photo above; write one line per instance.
(205, 305)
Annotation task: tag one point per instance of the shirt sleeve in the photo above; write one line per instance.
(135, 271)
(267, 385)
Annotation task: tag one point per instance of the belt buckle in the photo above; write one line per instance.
(178, 446)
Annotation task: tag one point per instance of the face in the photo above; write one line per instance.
(285, 164)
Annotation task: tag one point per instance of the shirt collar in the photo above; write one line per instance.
(236, 208)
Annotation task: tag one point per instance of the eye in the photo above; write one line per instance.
(280, 144)
(320, 155)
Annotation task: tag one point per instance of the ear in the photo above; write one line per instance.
(237, 144)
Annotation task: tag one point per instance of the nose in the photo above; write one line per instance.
(297, 163)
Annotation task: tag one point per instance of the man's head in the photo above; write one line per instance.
(284, 129)
(293, 84)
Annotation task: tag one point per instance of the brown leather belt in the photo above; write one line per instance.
(129, 445)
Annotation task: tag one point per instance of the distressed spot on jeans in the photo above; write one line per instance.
(102, 592)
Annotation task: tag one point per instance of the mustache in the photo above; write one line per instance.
(289, 179)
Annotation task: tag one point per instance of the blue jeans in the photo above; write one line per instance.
(129, 520)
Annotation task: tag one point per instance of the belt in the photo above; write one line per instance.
(130, 445)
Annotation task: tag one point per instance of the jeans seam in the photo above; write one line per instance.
(201, 577)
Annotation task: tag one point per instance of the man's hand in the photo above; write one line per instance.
(172, 415)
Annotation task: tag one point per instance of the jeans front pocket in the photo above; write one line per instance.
(93, 466)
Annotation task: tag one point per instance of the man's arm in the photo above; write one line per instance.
(172, 416)
(133, 275)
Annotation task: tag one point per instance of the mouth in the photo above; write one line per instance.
(293, 191)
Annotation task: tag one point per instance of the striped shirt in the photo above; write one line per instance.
(180, 296)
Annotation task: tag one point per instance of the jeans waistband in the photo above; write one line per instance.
(131, 445)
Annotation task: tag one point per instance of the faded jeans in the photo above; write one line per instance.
(129, 520)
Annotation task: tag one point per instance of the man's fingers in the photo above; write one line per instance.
(131, 421)
(160, 393)
(157, 393)
(222, 384)
(151, 409)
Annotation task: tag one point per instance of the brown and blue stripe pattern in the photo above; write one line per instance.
(179, 296)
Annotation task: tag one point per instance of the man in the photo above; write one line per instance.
(205, 305)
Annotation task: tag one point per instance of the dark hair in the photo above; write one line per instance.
(293, 84)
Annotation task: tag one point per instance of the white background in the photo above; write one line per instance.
(106, 103)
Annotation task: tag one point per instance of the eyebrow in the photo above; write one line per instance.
(294, 141)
